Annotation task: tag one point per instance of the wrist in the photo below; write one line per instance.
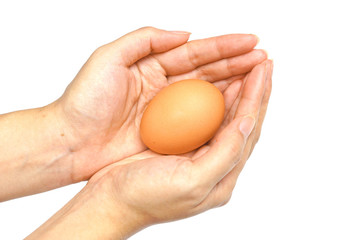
(91, 214)
(74, 136)
(122, 220)
(34, 157)
(63, 135)
(56, 125)
(57, 134)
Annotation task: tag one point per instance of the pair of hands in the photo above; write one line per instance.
(100, 112)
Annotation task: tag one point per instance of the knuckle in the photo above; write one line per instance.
(193, 56)
(196, 193)
(147, 29)
(204, 73)
(231, 66)
(98, 52)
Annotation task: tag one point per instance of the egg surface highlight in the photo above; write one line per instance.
(182, 117)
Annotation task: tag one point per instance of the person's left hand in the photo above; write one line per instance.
(165, 188)
(100, 111)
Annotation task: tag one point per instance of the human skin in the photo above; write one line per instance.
(149, 188)
(96, 121)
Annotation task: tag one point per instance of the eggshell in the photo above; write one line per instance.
(182, 117)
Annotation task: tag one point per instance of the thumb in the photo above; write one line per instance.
(144, 41)
(225, 153)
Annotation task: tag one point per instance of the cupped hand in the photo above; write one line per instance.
(153, 188)
(101, 109)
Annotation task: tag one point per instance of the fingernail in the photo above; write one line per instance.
(257, 38)
(180, 32)
(246, 126)
(266, 53)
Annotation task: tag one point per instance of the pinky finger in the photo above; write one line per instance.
(263, 109)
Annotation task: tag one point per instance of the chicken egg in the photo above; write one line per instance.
(182, 117)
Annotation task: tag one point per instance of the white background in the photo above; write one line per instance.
(303, 179)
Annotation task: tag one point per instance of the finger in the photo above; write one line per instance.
(223, 85)
(135, 45)
(199, 52)
(256, 113)
(227, 184)
(230, 97)
(222, 191)
(230, 93)
(224, 68)
(253, 91)
(222, 156)
(225, 152)
(252, 108)
(255, 100)
(200, 152)
(263, 109)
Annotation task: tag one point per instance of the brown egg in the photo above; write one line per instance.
(182, 117)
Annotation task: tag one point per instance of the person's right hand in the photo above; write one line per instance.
(100, 111)
(159, 188)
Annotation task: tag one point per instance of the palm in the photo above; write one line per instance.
(107, 112)
(162, 188)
